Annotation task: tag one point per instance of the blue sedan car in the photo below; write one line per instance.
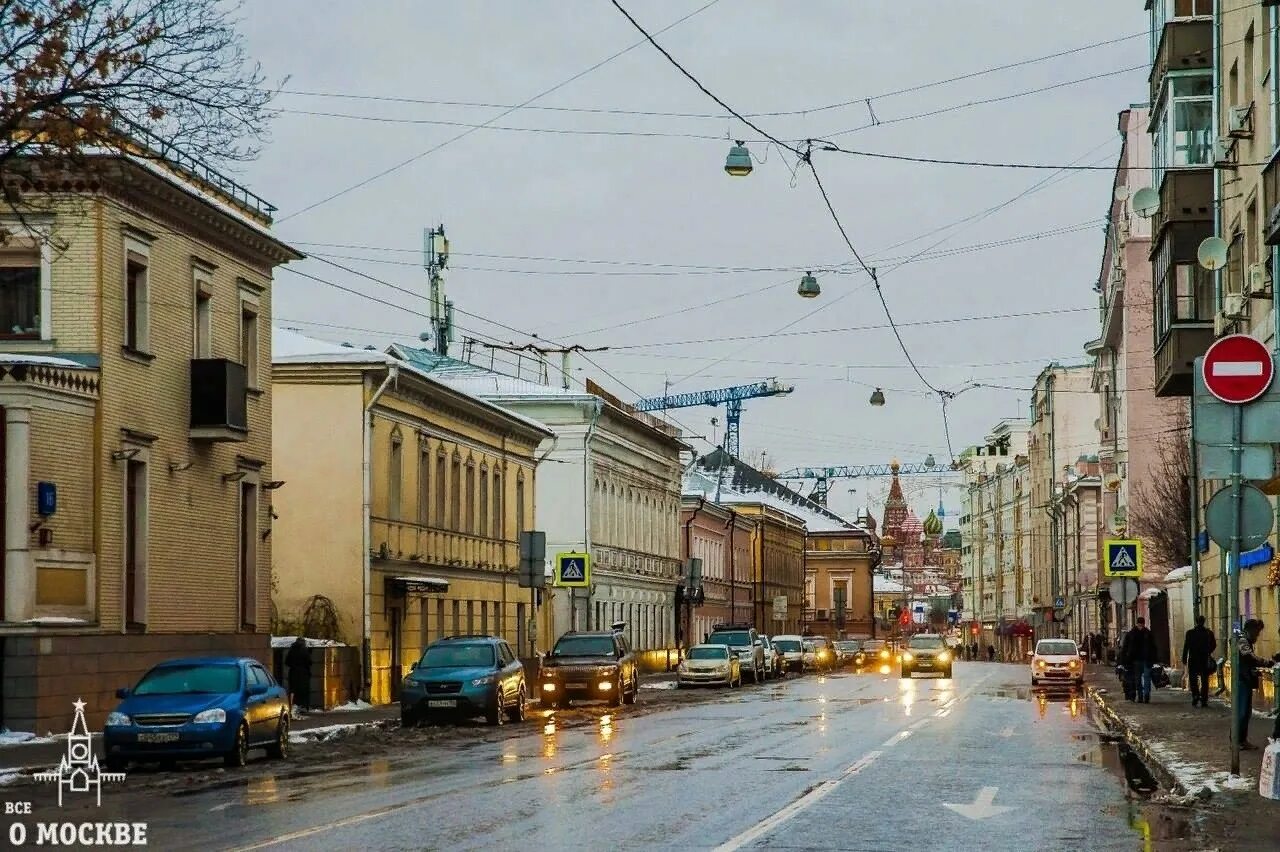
(463, 676)
(197, 708)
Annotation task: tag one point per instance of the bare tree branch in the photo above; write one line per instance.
(1160, 507)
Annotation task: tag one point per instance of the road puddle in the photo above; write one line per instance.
(1119, 760)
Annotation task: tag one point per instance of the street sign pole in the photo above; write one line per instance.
(1233, 595)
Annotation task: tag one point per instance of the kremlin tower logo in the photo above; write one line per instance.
(78, 769)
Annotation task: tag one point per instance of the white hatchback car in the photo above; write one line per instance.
(1057, 661)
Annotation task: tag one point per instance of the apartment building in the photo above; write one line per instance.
(722, 538)
(1063, 412)
(135, 385)
(427, 545)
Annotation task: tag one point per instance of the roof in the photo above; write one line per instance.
(478, 381)
(1177, 575)
(742, 484)
(883, 585)
(39, 360)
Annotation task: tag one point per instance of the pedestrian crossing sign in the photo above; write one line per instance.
(573, 570)
(1123, 558)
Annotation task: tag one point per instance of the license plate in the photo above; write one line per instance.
(157, 738)
(576, 686)
(441, 702)
(925, 664)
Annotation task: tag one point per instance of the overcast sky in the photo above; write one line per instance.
(628, 200)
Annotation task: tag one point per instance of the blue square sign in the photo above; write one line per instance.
(46, 498)
(1122, 558)
(573, 570)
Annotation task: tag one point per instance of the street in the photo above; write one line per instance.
(846, 761)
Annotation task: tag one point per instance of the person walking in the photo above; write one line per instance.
(1197, 656)
(1137, 653)
(299, 662)
(1096, 649)
(991, 653)
(1246, 679)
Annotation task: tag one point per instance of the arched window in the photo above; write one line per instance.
(395, 474)
(483, 510)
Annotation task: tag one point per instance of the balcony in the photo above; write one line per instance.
(219, 400)
(1271, 199)
(1186, 44)
(409, 542)
(1186, 199)
(1176, 353)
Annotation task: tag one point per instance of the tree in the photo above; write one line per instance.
(89, 75)
(1160, 506)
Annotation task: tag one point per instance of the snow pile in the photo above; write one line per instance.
(286, 641)
(1196, 778)
(323, 733)
(8, 776)
(55, 619)
(358, 704)
(659, 684)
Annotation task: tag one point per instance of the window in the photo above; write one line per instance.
(202, 318)
(395, 476)
(484, 501)
(520, 525)
(455, 494)
(248, 553)
(20, 295)
(249, 339)
(440, 490)
(471, 498)
(137, 298)
(424, 482)
(499, 520)
(1184, 125)
(1183, 291)
(135, 541)
(1251, 235)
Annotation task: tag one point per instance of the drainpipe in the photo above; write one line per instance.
(586, 511)
(733, 562)
(688, 549)
(393, 372)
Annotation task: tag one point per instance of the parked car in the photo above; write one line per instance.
(1057, 661)
(846, 651)
(819, 654)
(465, 676)
(926, 653)
(710, 664)
(745, 642)
(196, 708)
(790, 650)
(772, 658)
(590, 666)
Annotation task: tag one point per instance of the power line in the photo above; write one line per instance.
(498, 117)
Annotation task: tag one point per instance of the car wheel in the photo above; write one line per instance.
(408, 719)
(518, 712)
(634, 693)
(239, 754)
(279, 748)
(494, 715)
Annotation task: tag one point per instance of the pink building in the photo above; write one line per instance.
(721, 538)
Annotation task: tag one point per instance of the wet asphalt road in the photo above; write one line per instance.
(850, 762)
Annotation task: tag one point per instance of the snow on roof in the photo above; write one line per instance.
(699, 482)
(291, 347)
(39, 360)
(476, 380)
(885, 586)
(1178, 574)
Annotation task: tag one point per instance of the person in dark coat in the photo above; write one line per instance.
(1096, 648)
(298, 661)
(1247, 678)
(1197, 656)
(1137, 653)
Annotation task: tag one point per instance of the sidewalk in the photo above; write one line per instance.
(1188, 746)
(45, 752)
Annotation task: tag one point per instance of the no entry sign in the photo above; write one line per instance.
(1238, 369)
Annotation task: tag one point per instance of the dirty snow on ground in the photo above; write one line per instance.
(8, 738)
(1196, 777)
(286, 641)
(325, 732)
(659, 684)
(358, 704)
(8, 776)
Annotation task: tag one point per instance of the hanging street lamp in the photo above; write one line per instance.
(877, 398)
(809, 288)
(738, 163)
(930, 461)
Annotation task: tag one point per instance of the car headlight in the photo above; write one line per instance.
(118, 720)
(548, 687)
(481, 681)
(907, 657)
(1074, 664)
(884, 655)
(944, 657)
(1041, 663)
(215, 715)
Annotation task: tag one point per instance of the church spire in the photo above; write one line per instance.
(895, 506)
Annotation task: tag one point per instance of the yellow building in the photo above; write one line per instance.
(838, 564)
(135, 298)
(426, 546)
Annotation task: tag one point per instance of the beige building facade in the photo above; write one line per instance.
(137, 404)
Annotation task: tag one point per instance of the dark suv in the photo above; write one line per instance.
(596, 665)
(464, 676)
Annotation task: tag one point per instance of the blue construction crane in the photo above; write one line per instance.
(730, 398)
(822, 476)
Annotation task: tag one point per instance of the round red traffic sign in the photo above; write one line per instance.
(1237, 369)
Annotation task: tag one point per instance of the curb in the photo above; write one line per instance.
(1102, 709)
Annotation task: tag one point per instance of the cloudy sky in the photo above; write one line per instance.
(599, 214)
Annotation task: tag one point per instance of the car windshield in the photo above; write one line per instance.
(873, 645)
(733, 638)
(926, 643)
(786, 645)
(472, 655)
(584, 646)
(216, 679)
(709, 652)
(810, 646)
(1057, 648)
(847, 646)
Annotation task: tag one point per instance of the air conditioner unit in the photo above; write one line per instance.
(1257, 281)
(1240, 122)
(1233, 306)
(822, 615)
(1224, 153)
(1221, 324)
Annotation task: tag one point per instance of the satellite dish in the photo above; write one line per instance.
(1212, 253)
(1122, 193)
(1146, 202)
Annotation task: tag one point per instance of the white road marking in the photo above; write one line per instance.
(982, 806)
(809, 799)
(1009, 732)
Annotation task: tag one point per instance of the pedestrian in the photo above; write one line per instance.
(991, 653)
(1197, 656)
(1246, 679)
(1097, 647)
(1137, 653)
(1275, 733)
(298, 661)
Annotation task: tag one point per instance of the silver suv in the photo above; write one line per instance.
(744, 641)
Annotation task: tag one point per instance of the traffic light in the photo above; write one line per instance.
(974, 630)
(905, 618)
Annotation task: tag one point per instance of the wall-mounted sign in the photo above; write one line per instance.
(46, 498)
